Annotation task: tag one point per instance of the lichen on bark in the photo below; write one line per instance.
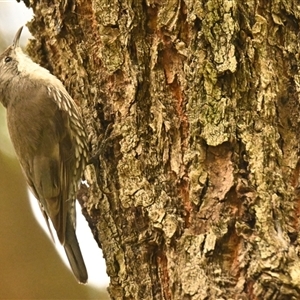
(194, 195)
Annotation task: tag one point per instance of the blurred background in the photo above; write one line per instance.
(31, 267)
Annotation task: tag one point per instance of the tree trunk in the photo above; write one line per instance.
(194, 107)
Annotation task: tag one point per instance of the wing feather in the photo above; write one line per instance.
(52, 151)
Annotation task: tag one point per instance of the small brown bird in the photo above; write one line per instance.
(49, 139)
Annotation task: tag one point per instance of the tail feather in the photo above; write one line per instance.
(74, 255)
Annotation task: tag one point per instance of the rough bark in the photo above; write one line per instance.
(195, 107)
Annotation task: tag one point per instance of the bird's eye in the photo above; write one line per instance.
(7, 59)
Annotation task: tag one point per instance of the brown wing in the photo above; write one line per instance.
(52, 166)
(51, 145)
(45, 148)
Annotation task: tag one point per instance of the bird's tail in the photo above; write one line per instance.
(74, 254)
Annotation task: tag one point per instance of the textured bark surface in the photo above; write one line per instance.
(195, 107)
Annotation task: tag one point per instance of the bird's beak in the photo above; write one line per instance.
(17, 38)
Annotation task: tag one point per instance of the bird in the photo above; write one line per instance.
(49, 138)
